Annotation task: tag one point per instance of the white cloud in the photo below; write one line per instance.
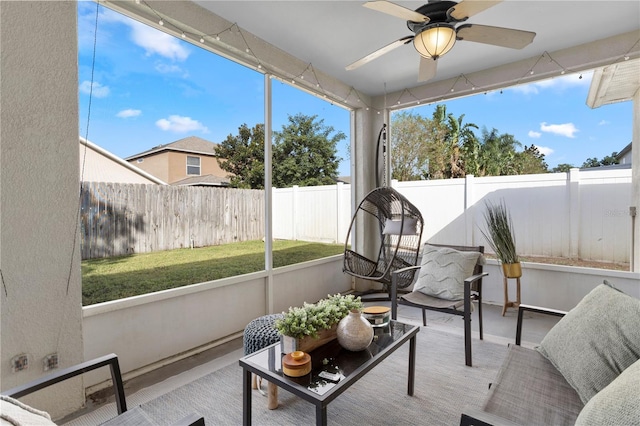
(99, 91)
(156, 42)
(566, 129)
(179, 124)
(127, 113)
(534, 134)
(603, 123)
(545, 150)
(560, 83)
(168, 69)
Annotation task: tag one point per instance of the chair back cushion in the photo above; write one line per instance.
(397, 227)
(617, 404)
(596, 340)
(443, 271)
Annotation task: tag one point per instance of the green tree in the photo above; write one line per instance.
(530, 161)
(562, 168)
(605, 161)
(435, 148)
(408, 138)
(497, 154)
(242, 156)
(461, 141)
(450, 141)
(304, 153)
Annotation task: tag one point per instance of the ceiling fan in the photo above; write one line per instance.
(435, 31)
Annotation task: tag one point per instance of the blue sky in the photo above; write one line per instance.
(150, 88)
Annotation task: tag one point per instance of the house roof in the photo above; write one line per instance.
(205, 180)
(614, 83)
(624, 151)
(190, 144)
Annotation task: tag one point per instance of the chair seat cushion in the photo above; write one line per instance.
(529, 390)
(596, 341)
(443, 271)
(422, 299)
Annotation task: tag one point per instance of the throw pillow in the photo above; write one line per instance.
(443, 271)
(617, 404)
(392, 227)
(595, 341)
(14, 412)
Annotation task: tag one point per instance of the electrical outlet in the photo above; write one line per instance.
(19, 363)
(50, 362)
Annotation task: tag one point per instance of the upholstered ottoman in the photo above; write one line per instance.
(259, 334)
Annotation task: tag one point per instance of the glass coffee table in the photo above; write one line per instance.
(333, 370)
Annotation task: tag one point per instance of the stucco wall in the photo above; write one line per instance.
(96, 167)
(178, 166)
(41, 288)
(157, 165)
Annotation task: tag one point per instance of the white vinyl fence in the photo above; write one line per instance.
(581, 214)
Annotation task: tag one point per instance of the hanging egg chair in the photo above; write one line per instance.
(399, 227)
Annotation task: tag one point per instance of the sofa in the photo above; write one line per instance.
(15, 413)
(586, 370)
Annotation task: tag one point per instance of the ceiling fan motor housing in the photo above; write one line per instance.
(437, 13)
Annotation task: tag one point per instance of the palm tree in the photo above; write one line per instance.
(457, 135)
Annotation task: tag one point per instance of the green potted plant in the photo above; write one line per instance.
(500, 236)
(314, 324)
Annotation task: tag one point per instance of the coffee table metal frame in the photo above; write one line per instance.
(321, 401)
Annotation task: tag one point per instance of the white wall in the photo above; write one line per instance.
(39, 189)
(554, 286)
(154, 329)
(315, 213)
(582, 214)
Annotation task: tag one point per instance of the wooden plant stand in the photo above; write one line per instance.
(507, 302)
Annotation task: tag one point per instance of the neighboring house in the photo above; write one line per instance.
(99, 165)
(189, 161)
(624, 156)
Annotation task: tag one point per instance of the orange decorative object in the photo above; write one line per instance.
(296, 364)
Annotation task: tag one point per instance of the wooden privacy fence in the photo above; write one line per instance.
(119, 219)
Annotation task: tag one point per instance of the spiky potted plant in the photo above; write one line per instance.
(500, 236)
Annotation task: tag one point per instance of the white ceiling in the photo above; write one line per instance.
(332, 34)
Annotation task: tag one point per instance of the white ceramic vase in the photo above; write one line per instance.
(355, 333)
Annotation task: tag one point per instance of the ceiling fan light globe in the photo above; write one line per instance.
(435, 40)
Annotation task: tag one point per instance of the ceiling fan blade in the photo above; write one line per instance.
(371, 56)
(468, 8)
(497, 36)
(396, 10)
(427, 68)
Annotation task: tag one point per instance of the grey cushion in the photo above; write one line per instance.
(617, 404)
(530, 391)
(596, 340)
(14, 412)
(409, 227)
(443, 271)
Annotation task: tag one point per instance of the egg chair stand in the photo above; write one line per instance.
(399, 227)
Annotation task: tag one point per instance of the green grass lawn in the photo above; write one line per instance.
(118, 277)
